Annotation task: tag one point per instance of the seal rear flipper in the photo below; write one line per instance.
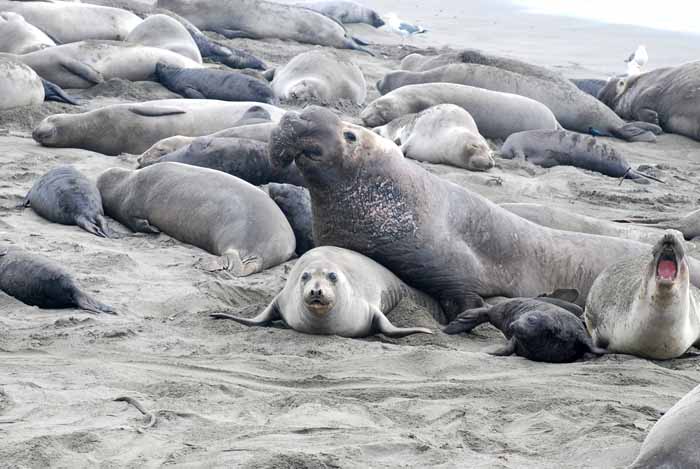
(53, 92)
(269, 75)
(381, 324)
(83, 71)
(468, 320)
(86, 302)
(504, 350)
(155, 110)
(351, 44)
(26, 202)
(269, 315)
(359, 41)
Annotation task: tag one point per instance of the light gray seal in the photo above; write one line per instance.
(295, 203)
(645, 305)
(443, 134)
(672, 442)
(39, 281)
(321, 76)
(164, 32)
(64, 195)
(19, 37)
(332, 290)
(436, 236)
(497, 115)
(345, 12)
(133, 128)
(667, 97)
(20, 85)
(209, 209)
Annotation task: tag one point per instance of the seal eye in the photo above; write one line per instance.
(350, 137)
(333, 277)
(305, 277)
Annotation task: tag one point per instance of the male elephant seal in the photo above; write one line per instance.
(19, 37)
(672, 442)
(549, 148)
(666, 96)
(574, 109)
(345, 12)
(209, 209)
(19, 85)
(133, 128)
(497, 115)
(295, 203)
(438, 237)
(164, 32)
(535, 328)
(38, 281)
(208, 83)
(259, 19)
(444, 134)
(320, 76)
(332, 290)
(64, 195)
(645, 305)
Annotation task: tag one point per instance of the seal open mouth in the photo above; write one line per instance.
(667, 264)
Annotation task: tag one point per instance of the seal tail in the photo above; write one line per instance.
(86, 302)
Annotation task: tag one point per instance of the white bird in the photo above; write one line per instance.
(637, 61)
(393, 23)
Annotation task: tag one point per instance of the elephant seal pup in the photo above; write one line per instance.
(666, 97)
(497, 115)
(208, 83)
(295, 203)
(367, 197)
(225, 215)
(645, 305)
(259, 19)
(535, 328)
(19, 37)
(332, 290)
(164, 32)
(345, 12)
(38, 281)
(574, 109)
(64, 195)
(20, 85)
(246, 159)
(133, 128)
(443, 134)
(549, 148)
(590, 86)
(672, 442)
(320, 76)
(87, 63)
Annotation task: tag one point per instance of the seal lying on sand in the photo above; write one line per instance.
(535, 328)
(345, 12)
(444, 134)
(64, 195)
(19, 37)
(367, 197)
(549, 148)
(688, 225)
(207, 83)
(164, 32)
(590, 86)
(295, 203)
(20, 85)
(133, 128)
(39, 281)
(666, 96)
(332, 290)
(645, 305)
(497, 115)
(226, 216)
(320, 76)
(672, 442)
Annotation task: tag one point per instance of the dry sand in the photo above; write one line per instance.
(230, 396)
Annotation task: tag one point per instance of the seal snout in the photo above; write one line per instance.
(44, 132)
(319, 291)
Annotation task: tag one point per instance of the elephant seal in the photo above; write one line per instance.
(246, 159)
(535, 328)
(368, 198)
(87, 63)
(443, 134)
(64, 195)
(666, 97)
(259, 19)
(19, 37)
(68, 22)
(133, 128)
(345, 12)
(644, 305)
(39, 281)
(549, 148)
(672, 442)
(20, 85)
(320, 76)
(688, 225)
(164, 32)
(497, 115)
(295, 203)
(590, 86)
(574, 109)
(331, 290)
(225, 215)
(207, 83)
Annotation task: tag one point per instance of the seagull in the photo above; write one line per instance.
(637, 61)
(393, 23)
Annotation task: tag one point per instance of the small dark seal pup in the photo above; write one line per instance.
(64, 195)
(536, 329)
(295, 203)
(39, 281)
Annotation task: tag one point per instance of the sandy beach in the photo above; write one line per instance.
(226, 395)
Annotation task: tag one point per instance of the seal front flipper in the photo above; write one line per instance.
(648, 115)
(191, 93)
(154, 110)
(381, 324)
(468, 320)
(83, 71)
(142, 225)
(632, 132)
(505, 350)
(235, 34)
(231, 261)
(84, 301)
(269, 315)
